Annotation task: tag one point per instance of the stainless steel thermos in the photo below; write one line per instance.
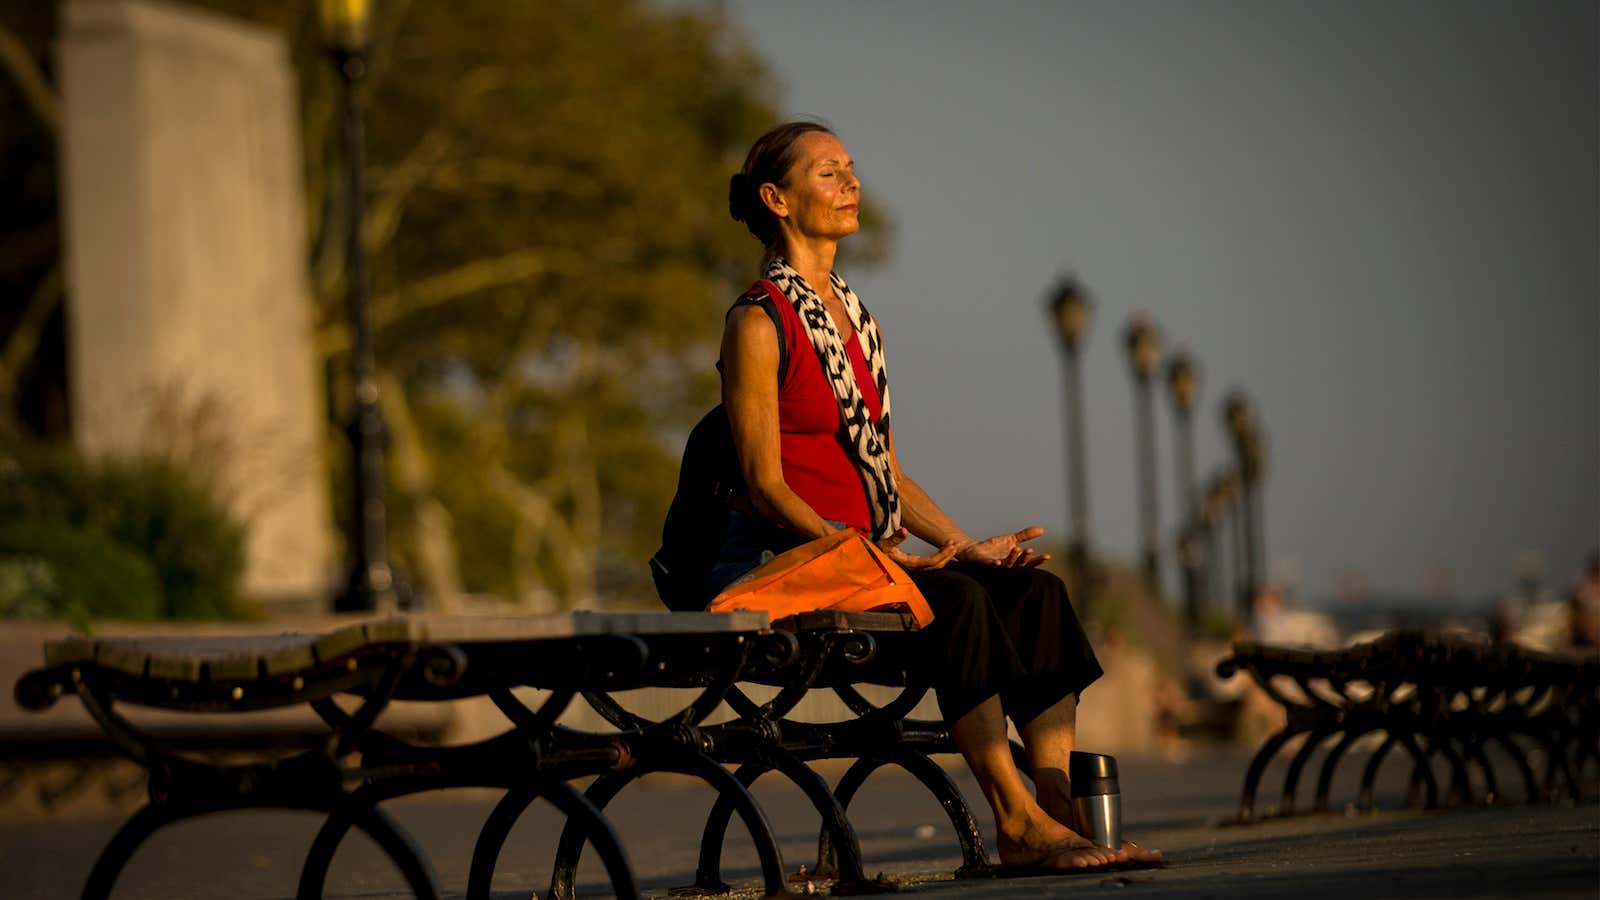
(1096, 799)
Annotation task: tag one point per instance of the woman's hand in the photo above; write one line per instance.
(1005, 551)
(891, 546)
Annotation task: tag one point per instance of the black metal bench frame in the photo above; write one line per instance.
(406, 659)
(1435, 697)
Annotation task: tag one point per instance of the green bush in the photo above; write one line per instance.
(149, 508)
(58, 571)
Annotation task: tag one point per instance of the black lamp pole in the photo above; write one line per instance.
(1239, 418)
(1183, 384)
(1144, 357)
(371, 583)
(1214, 513)
(1070, 308)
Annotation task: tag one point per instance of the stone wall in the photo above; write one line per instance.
(189, 312)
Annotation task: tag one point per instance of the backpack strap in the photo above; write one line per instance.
(765, 295)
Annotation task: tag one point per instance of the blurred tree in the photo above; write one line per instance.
(551, 256)
(33, 392)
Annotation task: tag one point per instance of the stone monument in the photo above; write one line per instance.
(189, 313)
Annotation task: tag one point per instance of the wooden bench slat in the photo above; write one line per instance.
(820, 619)
(495, 629)
(243, 658)
(75, 649)
(340, 642)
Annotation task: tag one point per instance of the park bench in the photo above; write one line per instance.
(1436, 697)
(356, 766)
(61, 762)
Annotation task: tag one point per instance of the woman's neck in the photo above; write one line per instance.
(814, 261)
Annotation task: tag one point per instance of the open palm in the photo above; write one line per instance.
(1005, 550)
(891, 546)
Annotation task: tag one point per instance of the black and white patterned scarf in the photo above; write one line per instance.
(870, 442)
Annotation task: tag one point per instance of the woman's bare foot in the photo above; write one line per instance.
(1056, 805)
(1135, 853)
(1037, 839)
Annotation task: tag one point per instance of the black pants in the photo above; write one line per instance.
(1010, 632)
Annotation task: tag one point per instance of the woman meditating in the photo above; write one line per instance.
(817, 454)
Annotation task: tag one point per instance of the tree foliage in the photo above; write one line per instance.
(551, 255)
(32, 320)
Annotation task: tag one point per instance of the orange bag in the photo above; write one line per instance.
(842, 571)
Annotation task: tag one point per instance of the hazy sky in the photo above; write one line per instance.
(1380, 218)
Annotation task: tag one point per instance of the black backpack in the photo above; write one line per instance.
(708, 481)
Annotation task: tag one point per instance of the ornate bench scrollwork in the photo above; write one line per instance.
(1437, 697)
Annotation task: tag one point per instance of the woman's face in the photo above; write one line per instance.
(822, 196)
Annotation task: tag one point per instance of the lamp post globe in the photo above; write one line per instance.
(1070, 306)
(345, 24)
(1183, 380)
(1143, 343)
(1238, 415)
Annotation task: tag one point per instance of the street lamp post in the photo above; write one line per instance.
(1220, 510)
(1070, 308)
(1239, 418)
(371, 583)
(1183, 384)
(1143, 345)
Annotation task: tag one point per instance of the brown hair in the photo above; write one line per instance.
(769, 161)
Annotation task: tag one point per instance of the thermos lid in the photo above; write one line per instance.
(1091, 765)
(1092, 774)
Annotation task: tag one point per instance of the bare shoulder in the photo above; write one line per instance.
(749, 327)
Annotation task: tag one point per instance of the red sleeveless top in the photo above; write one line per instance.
(818, 463)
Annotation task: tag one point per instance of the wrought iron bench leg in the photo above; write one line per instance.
(974, 861)
(383, 830)
(1421, 772)
(1369, 775)
(836, 828)
(1491, 784)
(1291, 778)
(360, 809)
(570, 848)
(1583, 751)
(1530, 783)
(147, 821)
(1258, 767)
(492, 838)
(1460, 780)
(388, 834)
(938, 783)
(577, 808)
(1325, 776)
(1556, 767)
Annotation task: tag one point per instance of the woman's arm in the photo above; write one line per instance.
(926, 520)
(750, 395)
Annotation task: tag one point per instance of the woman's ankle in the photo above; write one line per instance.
(1055, 795)
(1025, 820)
